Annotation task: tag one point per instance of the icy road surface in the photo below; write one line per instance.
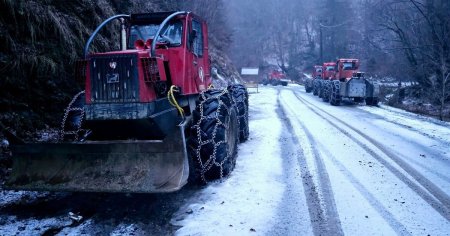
(308, 168)
(312, 168)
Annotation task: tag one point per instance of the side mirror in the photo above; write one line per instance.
(214, 70)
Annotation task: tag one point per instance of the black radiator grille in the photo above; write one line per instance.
(114, 78)
(150, 69)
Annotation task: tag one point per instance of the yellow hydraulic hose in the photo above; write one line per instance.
(173, 101)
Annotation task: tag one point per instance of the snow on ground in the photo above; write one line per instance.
(386, 176)
(373, 195)
(247, 202)
(426, 125)
(12, 225)
(362, 188)
(10, 197)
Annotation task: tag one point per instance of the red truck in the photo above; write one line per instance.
(345, 69)
(328, 73)
(309, 83)
(329, 70)
(317, 72)
(348, 83)
(277, 78)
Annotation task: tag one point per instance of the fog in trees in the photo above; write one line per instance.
(408, 41)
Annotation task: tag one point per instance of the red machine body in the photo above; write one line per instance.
(278, 78)
(317, 72)
(145, 117)
(278, 75)
(187, 70)
(329, 70)
(345, 68)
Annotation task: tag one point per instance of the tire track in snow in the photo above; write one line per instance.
(438, 199)
(398, 227)
(433, 152)
(323, 213)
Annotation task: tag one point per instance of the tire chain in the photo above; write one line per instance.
(245, 115)
(67, 111)
(326, 90)
(335, 93)
(212, 158)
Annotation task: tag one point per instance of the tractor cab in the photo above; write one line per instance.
(158, 50)
(317, 72)
(161, 53)
(329, 70)
(142, 33)
(345, 69)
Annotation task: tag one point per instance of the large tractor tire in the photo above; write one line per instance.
(326, 90)
(321, 88)
(335, 97)
(308, 89)
(358, 100)
(71, 125)
(315, 87)
(375, 101)
(372, 101)
(240, 98)
(212, 145)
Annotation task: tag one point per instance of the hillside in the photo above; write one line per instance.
(41, 40)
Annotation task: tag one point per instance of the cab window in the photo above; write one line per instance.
(170, 34)
(198, 40)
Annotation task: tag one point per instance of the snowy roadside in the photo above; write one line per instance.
(353, 183)
(428, 126)
(247, 201)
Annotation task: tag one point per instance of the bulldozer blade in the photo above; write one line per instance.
(126, 166)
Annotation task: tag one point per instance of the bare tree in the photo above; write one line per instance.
(421, 29)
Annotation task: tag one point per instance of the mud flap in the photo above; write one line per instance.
(120, 166)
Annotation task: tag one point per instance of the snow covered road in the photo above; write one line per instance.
(308, 168)
(352, 170)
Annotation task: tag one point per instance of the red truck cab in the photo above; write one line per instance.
(317, 72)
(329, 70)
(277, 75)
(345, 69)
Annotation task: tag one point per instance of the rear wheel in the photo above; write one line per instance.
(372, 101)
(315, 87)
(308, 89)
(321, 87)
(358, 100)
(326, 87)
(214, 136)
(240, 98)
(335, 98)
(375, 102)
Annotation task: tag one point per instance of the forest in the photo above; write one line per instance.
(406, 41)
